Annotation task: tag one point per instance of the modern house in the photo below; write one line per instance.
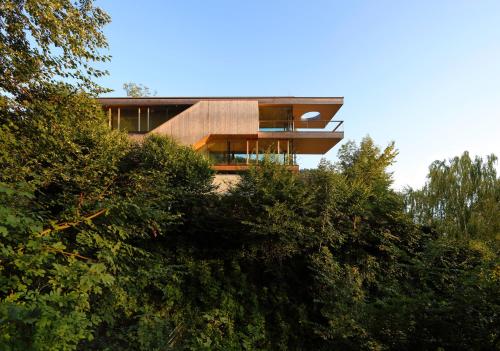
(234, 131)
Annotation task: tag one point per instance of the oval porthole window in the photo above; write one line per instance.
(310, 115)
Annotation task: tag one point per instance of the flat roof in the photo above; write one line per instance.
(154, 100)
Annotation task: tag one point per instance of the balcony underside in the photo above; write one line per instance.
(309, 143)
(303, 142)
(306, 142)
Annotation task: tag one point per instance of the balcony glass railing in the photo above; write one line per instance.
(302, 125)
(243, 159)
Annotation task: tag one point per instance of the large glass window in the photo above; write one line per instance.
(275, 118)
(129, 119)
(143, 119)
(160, 114)
(235, 152)
(227, 151)
(114, 118)
(157, 116)
(174, 110)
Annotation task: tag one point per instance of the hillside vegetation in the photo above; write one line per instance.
(106, 244)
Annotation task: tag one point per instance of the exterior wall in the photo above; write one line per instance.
(212, 117)
(224, 182)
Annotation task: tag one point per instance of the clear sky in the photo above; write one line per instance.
(425, 74)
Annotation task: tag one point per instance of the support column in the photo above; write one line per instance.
(288, 151)
(139, 120)
(278, 149)
(118, 122)
(248, 154)
(257, 150)
(147, 120)
(109, 117)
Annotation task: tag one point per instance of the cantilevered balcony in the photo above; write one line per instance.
(309, 136)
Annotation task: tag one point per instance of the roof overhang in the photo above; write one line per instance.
(263, 100)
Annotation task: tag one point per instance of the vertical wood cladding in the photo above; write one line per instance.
(212, 117)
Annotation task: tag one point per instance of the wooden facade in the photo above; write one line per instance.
(207, 118)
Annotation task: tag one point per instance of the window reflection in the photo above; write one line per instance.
(129, 119)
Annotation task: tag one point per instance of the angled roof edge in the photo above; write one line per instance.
(154, 100)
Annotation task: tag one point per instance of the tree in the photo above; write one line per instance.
(43, 41)
(461, 198)
(137, 90)
(85, 218)
(57, 169)
(364, 236)
(367, 162)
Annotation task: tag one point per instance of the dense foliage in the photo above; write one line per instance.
(112, 245)
(106, 244)
(461, 198)
(42, 41)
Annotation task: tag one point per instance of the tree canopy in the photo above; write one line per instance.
(43, 41)
(137, 90)
(461, 198)
(107, 244)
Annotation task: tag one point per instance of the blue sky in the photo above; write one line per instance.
(425, 74)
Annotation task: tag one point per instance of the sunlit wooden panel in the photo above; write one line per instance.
(209, 117)
(326, 114)
(306, 142)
